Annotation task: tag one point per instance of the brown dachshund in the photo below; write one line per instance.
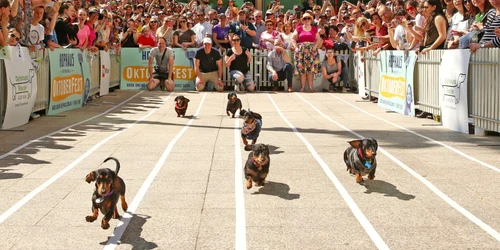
(108, 188)
(360, 158)
(257, 166)
(181, 105)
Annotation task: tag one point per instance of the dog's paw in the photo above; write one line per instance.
(248, 147)
(104, 225)
(227, 113)
(359, 179)
(90, 218)
(371, 177)
(249, 183)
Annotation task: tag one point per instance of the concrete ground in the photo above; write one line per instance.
(434, 189)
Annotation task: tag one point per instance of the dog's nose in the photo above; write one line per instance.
(103, 191)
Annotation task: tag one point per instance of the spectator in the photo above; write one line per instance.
(491, 36)
(184, 37)
(204, 7)
(308, 5)
(202, 29)
(65, 31)
(243, 29)
(435, 28)
(162, 74)
(145, 40)
(231, 8)
(459, 22)
(83, 30)
(279, 66)
(332, 70)
(153, 27)
(220, 9)
(166, 31)
(37, 31)
(237, 59)
(104, 34)
(415, 27)
(13, 37)
(287, 35)
(220, 34)
(211, 68)
(259, 26)
(307, 41)
(91, 23)
(484, 12)
(50, 38)
(270, 37)
(129, 35)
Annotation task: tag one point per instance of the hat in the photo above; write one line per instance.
(269, 21)
(207, 40)
(307, 15)
(140, 6)
(222, 14)
(93, 10)
(269, 12)
(245, 10)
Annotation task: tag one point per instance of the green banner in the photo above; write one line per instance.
(69, 80)
(135, 72)
(134, 68)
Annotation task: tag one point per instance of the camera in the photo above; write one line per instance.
(375, 39)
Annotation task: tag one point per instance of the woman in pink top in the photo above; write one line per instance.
(308, 41)
(83, 30)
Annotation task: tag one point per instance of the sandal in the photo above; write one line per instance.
(302, 89)
(290, 90)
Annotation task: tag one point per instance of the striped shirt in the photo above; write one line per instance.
(492, 23)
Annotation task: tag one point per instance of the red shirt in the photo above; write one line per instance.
(146, 41)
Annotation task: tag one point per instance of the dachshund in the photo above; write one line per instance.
(181, 105)
(252, 124)
(108, 188)
(360, 158)
(257, 166)
(233, 104)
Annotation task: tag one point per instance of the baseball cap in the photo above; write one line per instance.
(269, 12)
(207, 40)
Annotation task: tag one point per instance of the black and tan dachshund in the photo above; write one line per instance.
(257, 165)
(360, 158)
(252, 125)
(108, 188)
(181, 105)
(233, 104)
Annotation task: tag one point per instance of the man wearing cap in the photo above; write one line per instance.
(243, 28)
(211, 68)
(279, 66)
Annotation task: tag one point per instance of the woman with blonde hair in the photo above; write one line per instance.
(361, 37)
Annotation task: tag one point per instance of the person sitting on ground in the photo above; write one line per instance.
(237, 59)
(162, 74)
(279, 66)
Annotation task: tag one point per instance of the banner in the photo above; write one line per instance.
(453, 73)
(105, 73)
(69, 80)
(360, 73)
(135, 72)
(396, 81)
(21, 89)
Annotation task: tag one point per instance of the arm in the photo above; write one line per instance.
(319, 41)
(269, 66)
(176, 41)
(219, 67)
(36, 3)
(170, 67)
(441, 28)
(325, 73)
(197, 68)
(14, 7)
(193, 41)
(5, 31)
(150, 66)
(54, 16)
(250, 32)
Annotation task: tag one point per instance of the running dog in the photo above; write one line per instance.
(108, 188)
(233, 104)
(181, 105)
(257, 166)
(360, 158)
(252, 124)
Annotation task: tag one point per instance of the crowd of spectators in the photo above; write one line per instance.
(376, 25)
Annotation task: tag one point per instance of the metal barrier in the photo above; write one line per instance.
(94, 60)
(483, 88)
(114, 80)
(41, 57)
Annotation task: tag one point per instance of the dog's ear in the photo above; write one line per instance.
(356, 143)
(376, 143)
(177, 98)
(243, 112)
(91, 177)
(187, 100)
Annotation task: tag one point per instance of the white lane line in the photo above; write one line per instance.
(379, 242)
(127, 216)
(40, 188)
(427, 183)
(60, 130)
(240, 233)
(425, 137)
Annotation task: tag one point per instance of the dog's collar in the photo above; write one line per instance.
(179, 107)
(360, 153)
(110, 193)
(256, 163)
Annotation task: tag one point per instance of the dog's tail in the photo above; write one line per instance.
(117, 163)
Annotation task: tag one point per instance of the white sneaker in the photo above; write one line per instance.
(237, 87)
(34, 115)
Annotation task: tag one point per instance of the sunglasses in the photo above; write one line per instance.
(251, 18)
(410, 9)
(317, 9)
(182, 21)
(236, 40)
(153, 21)
(14, 36)
(307, 18)
(200, 15)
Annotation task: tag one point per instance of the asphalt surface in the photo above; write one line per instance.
(434, 188)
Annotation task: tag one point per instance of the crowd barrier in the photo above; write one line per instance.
(483, 91)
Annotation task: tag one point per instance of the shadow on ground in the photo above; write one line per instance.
(132, 235)
(387, 189)
(277, 189)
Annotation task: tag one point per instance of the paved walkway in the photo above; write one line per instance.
(434, 189)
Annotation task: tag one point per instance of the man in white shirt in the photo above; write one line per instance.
(202, 29)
